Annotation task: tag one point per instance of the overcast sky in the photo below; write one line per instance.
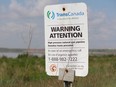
(18, 17)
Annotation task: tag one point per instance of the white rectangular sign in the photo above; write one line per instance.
(66, 38)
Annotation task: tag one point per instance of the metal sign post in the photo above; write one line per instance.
(67, 84)
(67, 75)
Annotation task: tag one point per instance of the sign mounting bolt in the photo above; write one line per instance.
(63, 9)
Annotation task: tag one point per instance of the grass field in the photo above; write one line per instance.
(30, 72)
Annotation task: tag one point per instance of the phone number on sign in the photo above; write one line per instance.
(62, 59)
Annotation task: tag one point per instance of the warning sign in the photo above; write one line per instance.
(66, 38)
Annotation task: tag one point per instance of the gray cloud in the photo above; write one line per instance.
(30, 7)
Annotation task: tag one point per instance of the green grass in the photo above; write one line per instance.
(30, 72)
(102, 72)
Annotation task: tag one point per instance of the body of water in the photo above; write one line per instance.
(14, 55)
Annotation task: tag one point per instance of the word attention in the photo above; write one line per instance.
(66, 32)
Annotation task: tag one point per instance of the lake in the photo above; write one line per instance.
(15, 54)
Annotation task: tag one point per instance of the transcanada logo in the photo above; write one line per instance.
(50, 15)
(70, 14)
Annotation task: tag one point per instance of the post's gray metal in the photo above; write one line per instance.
(67, 75)
(67, 84)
